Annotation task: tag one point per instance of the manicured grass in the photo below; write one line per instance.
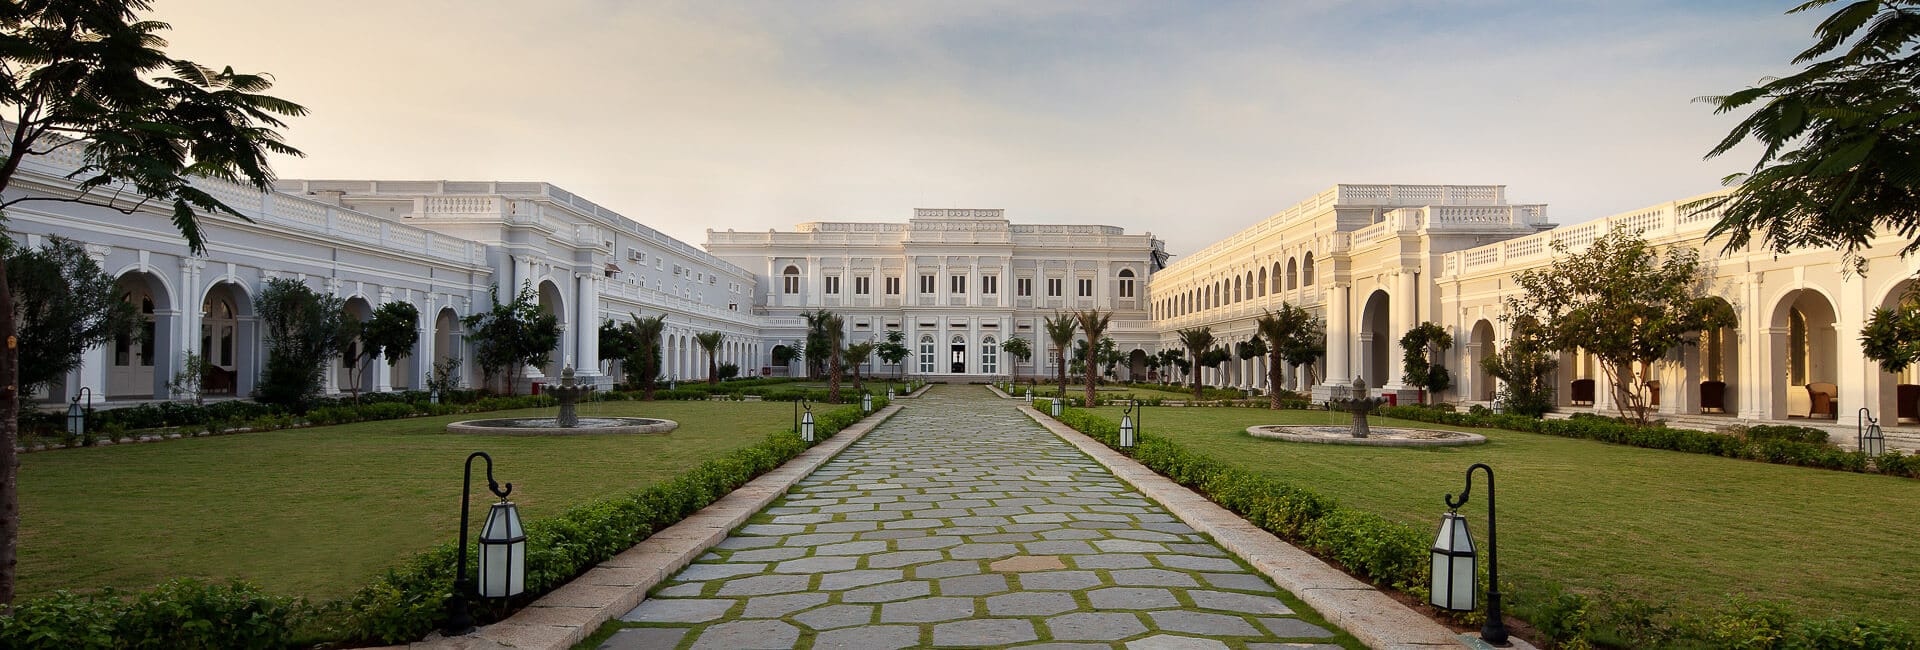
(317, 512)
(1115, 392)
(1648, 524)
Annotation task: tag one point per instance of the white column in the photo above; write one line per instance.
(382, 373)
(1405, 315)
(94, 361)
(423, 348)
(1339, 334)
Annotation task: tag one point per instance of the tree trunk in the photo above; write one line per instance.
(646, 379)
(9, 438)
(1092, 380)
(713, 369)
(1060, 363)
(1195, 376)
(833, 378)
(1273, 379)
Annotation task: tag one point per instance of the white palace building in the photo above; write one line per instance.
(1372, 260)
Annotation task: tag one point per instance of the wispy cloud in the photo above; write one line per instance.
(1187, 119)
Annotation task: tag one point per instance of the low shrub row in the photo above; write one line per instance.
(407, 601)
(1783, 445)
(1396, 555)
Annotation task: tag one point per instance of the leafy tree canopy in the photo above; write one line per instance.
(511, 335)
(63, 304)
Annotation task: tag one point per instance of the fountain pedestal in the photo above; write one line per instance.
(568, 393)
(1356, 401)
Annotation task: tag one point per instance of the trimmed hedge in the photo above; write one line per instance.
(1392, 554)
(1782, 445)
(407, 601)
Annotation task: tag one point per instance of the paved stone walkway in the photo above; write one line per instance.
(960, 523)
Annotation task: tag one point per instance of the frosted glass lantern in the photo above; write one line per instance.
(503, 553)
(1454, 579)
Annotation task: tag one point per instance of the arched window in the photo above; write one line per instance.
(790, 280)
(1306, 271)
(1126, 283)
(1236, 288)
(957, 355)
(1277, 276)
(1263, 280)
(989, 356)
(1293, 274)
(1249, 285)
(926, 354)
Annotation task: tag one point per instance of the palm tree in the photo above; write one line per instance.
(857, 354)
(1275, 330)
(819, 339)
(710, 341)
(643, 334)
(1060, 329)
(1197, 340)
(1094, 324)
(835, 334)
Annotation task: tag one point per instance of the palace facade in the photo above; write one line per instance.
(1371, 260)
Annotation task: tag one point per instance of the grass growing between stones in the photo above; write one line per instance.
(1653, 525)
(316, 512)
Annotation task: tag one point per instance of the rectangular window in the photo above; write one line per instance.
(862, 285)
(1053, 287)
(833, 285)
(1086, 287)
(1023, 287)
(990, 284)
(959, 284)
(893, 286)
(1126, 288)
(789, 285)
(926, 284)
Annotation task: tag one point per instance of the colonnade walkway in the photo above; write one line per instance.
(962, 523)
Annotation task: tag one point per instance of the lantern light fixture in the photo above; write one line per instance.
(77, 418)
(866, 403)
(1057, 405)
(806, 422)
(1128, 426)
(1455, 576)
(1867, 439)
(503, 551)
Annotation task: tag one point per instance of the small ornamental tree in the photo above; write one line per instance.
(302, 330)
(63, 304)
(894, 350)
(1292, 335)
(1892, 336)
(1018, 348)
(614, 344)
(1175, 363)
(512, 335)
(392, 331)
(1625, 302)
(781, 355)
(857, 355)
(1093, 323)
(1197, 340)
(1060, 331)
(835, 331)
(1521, 365)
(1421, 345)
(819, 348)
(710, 343)
(642, 362)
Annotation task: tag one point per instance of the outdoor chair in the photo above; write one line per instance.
(1581, 392)
(1713, 396)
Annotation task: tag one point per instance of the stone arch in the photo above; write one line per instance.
(350, 372)
(1236, 288)
(1137, 364)
(446, 339)
(1263, 280)
(1716, 360)
(1376, 339)
(137, 364)
(229, 338)
(1804, 342)
(1293, 273)
(1278, 274)
(1306, 270)
(1481, 344)
(1898, 393)
(554, 301)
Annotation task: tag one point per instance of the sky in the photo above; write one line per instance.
(1191, 120)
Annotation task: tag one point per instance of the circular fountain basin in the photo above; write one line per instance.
(1376, 437)
(551, 426)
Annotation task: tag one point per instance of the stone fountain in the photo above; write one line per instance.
(568, 422)
(1357, 401)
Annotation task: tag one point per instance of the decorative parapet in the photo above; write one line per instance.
(1671, 221)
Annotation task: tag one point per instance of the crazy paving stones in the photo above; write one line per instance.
(962, 524)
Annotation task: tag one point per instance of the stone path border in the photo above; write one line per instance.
(1377, 438)
(1371, 616)
(567, 615)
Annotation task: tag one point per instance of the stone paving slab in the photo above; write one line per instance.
(988, 531)
(1375, 618)
(619, 585)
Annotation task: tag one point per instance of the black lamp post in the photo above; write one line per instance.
(806, 423)
(76, 418)
(1454, 575)
(503, 552)
(1868, 437)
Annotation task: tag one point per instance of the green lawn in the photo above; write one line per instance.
(1651, 524)
(316, 512)
(1118, 392)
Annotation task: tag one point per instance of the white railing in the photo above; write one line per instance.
(293, 212)
(1672, 221)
